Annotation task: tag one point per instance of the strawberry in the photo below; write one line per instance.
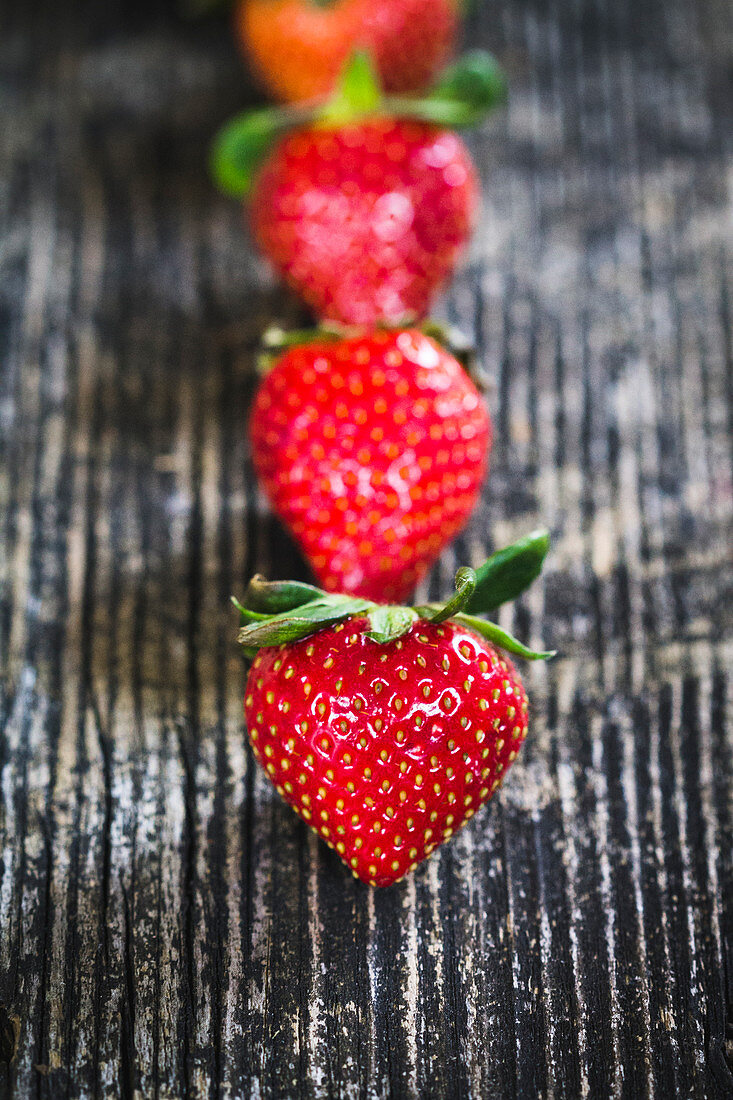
(299, 47)
(386, 727)
(372, 450)
(366, 222)
(365, 209)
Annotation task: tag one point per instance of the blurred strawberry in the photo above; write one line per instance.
(298, 48)
(366, 222)
(364, 210)
(373, 450)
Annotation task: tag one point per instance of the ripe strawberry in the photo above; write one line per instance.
(299, 47)
(366, 222)
(386, 728)
(372, 450)
(365, 209)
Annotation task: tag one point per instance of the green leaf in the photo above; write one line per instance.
(508, 572)
(501, 638)
(389, 623)
(475, 80)
(358, 92)
(465, 93)
(274, 597)
(300, 622)
(246, 615)
(242, 144)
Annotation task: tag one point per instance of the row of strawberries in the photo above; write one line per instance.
(385, 726)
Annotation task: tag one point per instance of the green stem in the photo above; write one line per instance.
(465, 587)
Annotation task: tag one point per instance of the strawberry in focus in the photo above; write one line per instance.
(386, 728)
(392, 766)
(372, 450)
(364, 203)
(298, 47)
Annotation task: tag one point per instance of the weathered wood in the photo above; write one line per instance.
(167, 927)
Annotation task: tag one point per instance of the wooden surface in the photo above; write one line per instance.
(167, 927)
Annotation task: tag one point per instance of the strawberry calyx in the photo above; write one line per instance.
(358, 94)
(280, 612)
(462, 96)
(276, 341)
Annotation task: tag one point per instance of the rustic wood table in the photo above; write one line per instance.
(167, 927)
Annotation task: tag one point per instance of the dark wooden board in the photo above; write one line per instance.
(167, 927)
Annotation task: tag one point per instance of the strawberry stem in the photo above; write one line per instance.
(465, 587)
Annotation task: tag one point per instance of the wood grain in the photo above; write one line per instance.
(167, 927)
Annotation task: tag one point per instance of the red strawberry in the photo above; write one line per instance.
(365, 210)
(386, 728)
(298, 47)
(366, 222)
(372, 450)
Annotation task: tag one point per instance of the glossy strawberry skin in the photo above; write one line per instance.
(385, 750)
(366, 222)
(298, 48)
(372, 451)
